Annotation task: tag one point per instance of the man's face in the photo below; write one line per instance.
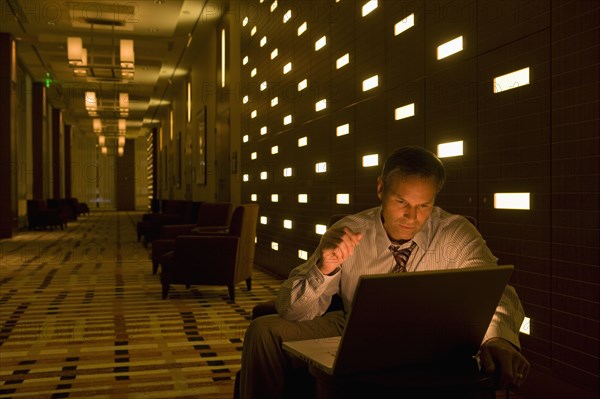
(407, 202)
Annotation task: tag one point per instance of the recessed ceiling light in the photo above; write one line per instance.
(153, 30)
(159, 1)
(51, 23)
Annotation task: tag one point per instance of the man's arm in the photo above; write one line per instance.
(307, 292)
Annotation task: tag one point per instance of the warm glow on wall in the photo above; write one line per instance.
(189, 102)
(171, 124)
(223, 59)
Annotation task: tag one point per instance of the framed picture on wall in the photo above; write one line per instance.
(201, 164)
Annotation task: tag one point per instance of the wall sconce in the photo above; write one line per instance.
(104, 150)
(121, 141)
(120, 151)
(101, 141)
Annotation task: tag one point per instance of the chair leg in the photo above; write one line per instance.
(249, 283)
(154, 267)
(231, 289)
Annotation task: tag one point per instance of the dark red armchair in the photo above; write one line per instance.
(212, 217)
(224, 259)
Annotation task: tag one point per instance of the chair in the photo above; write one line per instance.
(224, 259)
(212, 217)
(39, 216)
(175, 212)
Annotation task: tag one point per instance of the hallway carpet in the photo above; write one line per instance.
(82, 316)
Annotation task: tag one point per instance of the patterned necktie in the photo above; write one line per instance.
(401, 256)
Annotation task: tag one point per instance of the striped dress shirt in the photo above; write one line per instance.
(446, 241)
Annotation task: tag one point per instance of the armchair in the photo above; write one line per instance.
(209, 259)
(212, 217)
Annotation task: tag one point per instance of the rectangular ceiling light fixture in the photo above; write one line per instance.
(451, 149)
(512, 201)
(511, 80)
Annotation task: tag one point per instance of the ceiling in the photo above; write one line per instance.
(165, 33)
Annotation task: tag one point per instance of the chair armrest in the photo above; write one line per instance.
(174, 230)
(210, 230)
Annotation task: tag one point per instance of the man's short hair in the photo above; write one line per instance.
(411, 161)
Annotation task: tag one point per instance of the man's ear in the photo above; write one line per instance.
(379, 187)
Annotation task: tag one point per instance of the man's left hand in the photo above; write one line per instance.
(498, 354)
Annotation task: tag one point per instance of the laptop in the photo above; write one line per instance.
(406, 319)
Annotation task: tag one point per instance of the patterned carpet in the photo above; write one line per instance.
(82, 316)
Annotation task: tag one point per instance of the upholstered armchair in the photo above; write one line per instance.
(175, 212)
(208, 259)
(212, 217)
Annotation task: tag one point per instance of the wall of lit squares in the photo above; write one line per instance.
(331, 87)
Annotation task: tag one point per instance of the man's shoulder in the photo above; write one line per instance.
(367, 216)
